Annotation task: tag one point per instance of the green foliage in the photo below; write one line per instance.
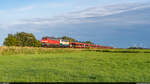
(22, 39)
(88, 42)
(68, 38)
(135, 47)
(11, 40)
(74, 40)
(72, 65)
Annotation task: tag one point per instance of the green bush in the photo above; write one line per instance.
(22, 39)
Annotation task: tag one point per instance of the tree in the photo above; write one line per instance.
(22, 39)
(133, 47)
(74, 40)
(11, 40)
(68, 38)
(89, 42)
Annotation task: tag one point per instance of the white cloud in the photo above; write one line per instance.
(107, 10)
(27, 8)
(84, 16)
(89, 15)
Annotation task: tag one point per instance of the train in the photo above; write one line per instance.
(61, 43)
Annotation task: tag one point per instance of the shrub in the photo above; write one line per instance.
(22, 39)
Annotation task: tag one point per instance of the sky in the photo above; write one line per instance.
(118, 23)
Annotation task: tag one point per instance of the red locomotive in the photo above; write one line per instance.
(58, 42)
(50, 42)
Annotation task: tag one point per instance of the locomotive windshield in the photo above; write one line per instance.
(45, 38)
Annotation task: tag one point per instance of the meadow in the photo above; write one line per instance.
(18, 64)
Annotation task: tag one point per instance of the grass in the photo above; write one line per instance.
(73, 65)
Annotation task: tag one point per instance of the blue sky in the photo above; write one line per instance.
(119, 23)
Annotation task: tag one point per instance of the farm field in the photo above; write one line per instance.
(73, 65)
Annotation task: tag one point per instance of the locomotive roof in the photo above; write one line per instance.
(54, 38)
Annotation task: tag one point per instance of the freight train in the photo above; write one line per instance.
(61, 43)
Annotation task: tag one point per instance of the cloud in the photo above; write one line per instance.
(112, 15)
(24, 9)
(115, 15)
(89, 15)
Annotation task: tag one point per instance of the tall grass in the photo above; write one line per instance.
(33, 50)
(39, 50)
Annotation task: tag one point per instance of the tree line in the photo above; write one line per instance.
(29, 40)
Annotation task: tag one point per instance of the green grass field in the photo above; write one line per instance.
(73, 65)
